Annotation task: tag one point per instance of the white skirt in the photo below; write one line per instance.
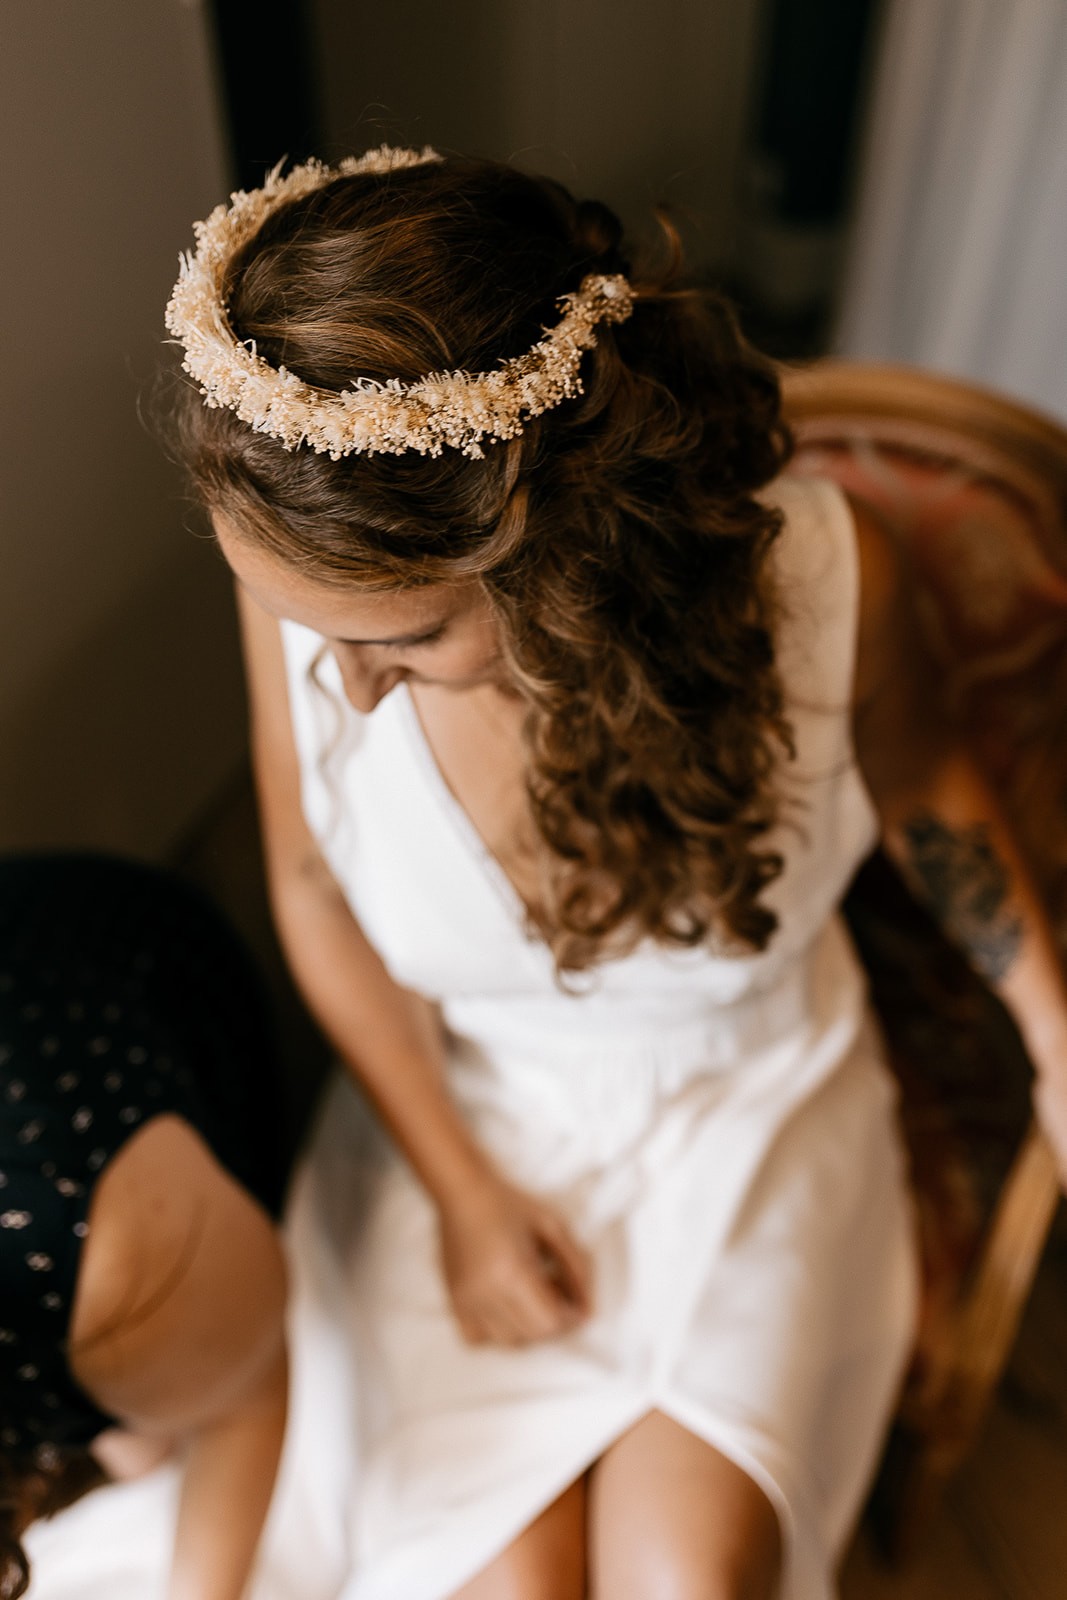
(754, 1280)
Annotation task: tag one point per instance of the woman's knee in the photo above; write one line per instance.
(674, 1519)
(678, 1574)
(546, 1562)
(748, 1570)
(753, 1574)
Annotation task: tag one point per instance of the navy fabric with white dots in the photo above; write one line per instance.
(123, 996)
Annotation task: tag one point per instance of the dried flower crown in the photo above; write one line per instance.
(458, 409)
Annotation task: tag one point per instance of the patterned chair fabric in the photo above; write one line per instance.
(974, 489)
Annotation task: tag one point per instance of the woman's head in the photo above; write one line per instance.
(439, 633)
(617, 545)
(388, 277)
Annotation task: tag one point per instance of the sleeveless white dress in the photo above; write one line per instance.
(718, 1131)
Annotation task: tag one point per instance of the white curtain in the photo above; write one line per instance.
(959, 256)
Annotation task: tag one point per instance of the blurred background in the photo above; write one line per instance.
(883, 177)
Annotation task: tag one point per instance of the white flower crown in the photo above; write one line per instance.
(458, 409)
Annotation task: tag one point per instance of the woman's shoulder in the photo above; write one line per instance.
(181, 1283)
(816, 543)
(815, 582)
(843, 590)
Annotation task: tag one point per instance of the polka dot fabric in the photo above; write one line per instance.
(123, 996)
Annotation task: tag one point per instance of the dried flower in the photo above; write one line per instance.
(458, 409)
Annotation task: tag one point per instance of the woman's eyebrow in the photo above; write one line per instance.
(421, 637)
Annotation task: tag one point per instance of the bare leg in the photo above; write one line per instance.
(546, 1561)
(672, 1518)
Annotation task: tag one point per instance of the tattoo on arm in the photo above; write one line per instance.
(967, 885)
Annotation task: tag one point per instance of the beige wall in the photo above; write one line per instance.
(120, 699)
(631, 101)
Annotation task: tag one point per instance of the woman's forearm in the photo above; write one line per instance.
(230, 1468)
(387, 1036)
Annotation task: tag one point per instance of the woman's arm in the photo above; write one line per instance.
(513, 1271)
(230, 1467)
(178, 1329)
(945, 829)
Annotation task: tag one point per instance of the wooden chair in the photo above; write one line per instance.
(976, 488)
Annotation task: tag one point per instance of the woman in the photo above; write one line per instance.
(142, 1283)
(551, 682)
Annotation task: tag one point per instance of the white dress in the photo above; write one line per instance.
(717, 1130)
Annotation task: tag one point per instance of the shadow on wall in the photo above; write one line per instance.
(623, 101)
(119, 685)
(97, 749)
(740, 115)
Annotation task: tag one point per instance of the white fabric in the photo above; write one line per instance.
(961, 229)
(717, 1130)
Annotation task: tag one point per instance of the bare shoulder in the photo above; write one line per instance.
(181, 1289)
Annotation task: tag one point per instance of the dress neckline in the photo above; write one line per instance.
(458, 816)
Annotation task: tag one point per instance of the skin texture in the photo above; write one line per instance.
(670, 1517)
(178, 1330)
(440, 635)
(546, 1561)
(661, 1513)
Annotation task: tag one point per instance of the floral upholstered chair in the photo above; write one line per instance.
(975, 488)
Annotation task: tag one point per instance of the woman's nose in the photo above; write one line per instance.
(364, 683)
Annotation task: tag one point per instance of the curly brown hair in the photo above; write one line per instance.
(621, 541)
(29, 1489)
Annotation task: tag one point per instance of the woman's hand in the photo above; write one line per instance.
(514, 1272)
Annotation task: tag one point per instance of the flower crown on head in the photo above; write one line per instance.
(458, 409)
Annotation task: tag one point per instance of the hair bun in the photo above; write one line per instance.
(598, 234)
